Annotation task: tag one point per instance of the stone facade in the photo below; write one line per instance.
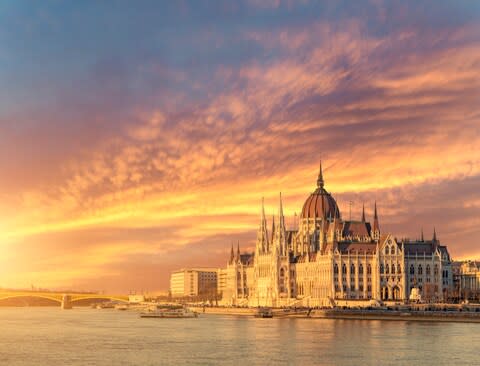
(326, 260)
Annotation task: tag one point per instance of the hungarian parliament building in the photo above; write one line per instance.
(327, 261)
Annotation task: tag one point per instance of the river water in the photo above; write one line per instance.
(50, 336)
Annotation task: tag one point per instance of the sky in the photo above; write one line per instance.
(137, 138)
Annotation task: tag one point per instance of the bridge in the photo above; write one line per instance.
(66, 300)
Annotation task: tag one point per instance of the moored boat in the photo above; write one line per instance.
(264, 313)
(169, 313)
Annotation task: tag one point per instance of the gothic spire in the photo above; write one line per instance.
(363, 212)
(273, 228)
(281, 230)
(232, 255)
(238, 250)
(320, 181)
(262, 236)
(281, 218)
(376, 226)
(421, 238)
(434, 234)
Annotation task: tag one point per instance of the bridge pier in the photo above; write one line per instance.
(66, 302)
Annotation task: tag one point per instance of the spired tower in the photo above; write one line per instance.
(318, 212)
(271, 262)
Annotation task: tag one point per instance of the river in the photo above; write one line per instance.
(50, 336)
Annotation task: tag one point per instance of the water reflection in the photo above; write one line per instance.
(36, 336)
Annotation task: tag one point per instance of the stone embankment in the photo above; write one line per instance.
(356, 314)
(224, 310)
(435, 316)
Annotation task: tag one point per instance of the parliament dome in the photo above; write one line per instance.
(320, 204)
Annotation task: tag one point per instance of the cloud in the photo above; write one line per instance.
(159, 158)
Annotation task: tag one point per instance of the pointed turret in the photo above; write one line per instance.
(232, 255)
(363, 212)
(376, 226)
(262, 235)
(332, 232)
(421, 236)
(320, 181)
(238, 250)
(273, 229)
(281, 229)
(434, 235)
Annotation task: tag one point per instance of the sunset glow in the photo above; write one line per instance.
(138, 145)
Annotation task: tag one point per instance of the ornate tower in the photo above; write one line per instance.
(376, 226)
(262, 234)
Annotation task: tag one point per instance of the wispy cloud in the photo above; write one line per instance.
(159, 155)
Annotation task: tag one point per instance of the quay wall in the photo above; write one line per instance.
(434, 316)
(224, 310)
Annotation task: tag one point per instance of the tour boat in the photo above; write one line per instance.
(264, 313)
(169, 313)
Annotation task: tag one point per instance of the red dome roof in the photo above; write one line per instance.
(320, 204)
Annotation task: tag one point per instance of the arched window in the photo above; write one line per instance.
(282, 272)
(369, 269)
(412, 269)
(352, 269)
(427, 270)
(381, 268)
(393, 249)
(335, 268)
(393, 268)
(399, 269)
(386, 250)
(387, 269)
(344, 268)
(360, 269)
(420, 270)
(435, 270)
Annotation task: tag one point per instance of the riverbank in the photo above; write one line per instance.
(374, 314)
(432, 316)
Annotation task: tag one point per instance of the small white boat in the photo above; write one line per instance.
(169, 313)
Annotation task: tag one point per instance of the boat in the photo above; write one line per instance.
(264, 313)
(169, 313)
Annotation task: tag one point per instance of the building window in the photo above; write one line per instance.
(344, 268)
(369, 269)
(335, 268)
(360, 269)
(393, 268)
(412, 269)
(352, 287)
(399, 269)
(435, 270)
(387, 269)
(352, 269)
(369, 288)
(386, 250)
(381, 268)
(420, 270)
(393, 250)
(360, 287)
(427, 270)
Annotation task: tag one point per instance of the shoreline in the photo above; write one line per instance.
(389, 315)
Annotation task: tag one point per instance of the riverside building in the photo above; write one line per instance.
(326, 260)
(191, 282)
